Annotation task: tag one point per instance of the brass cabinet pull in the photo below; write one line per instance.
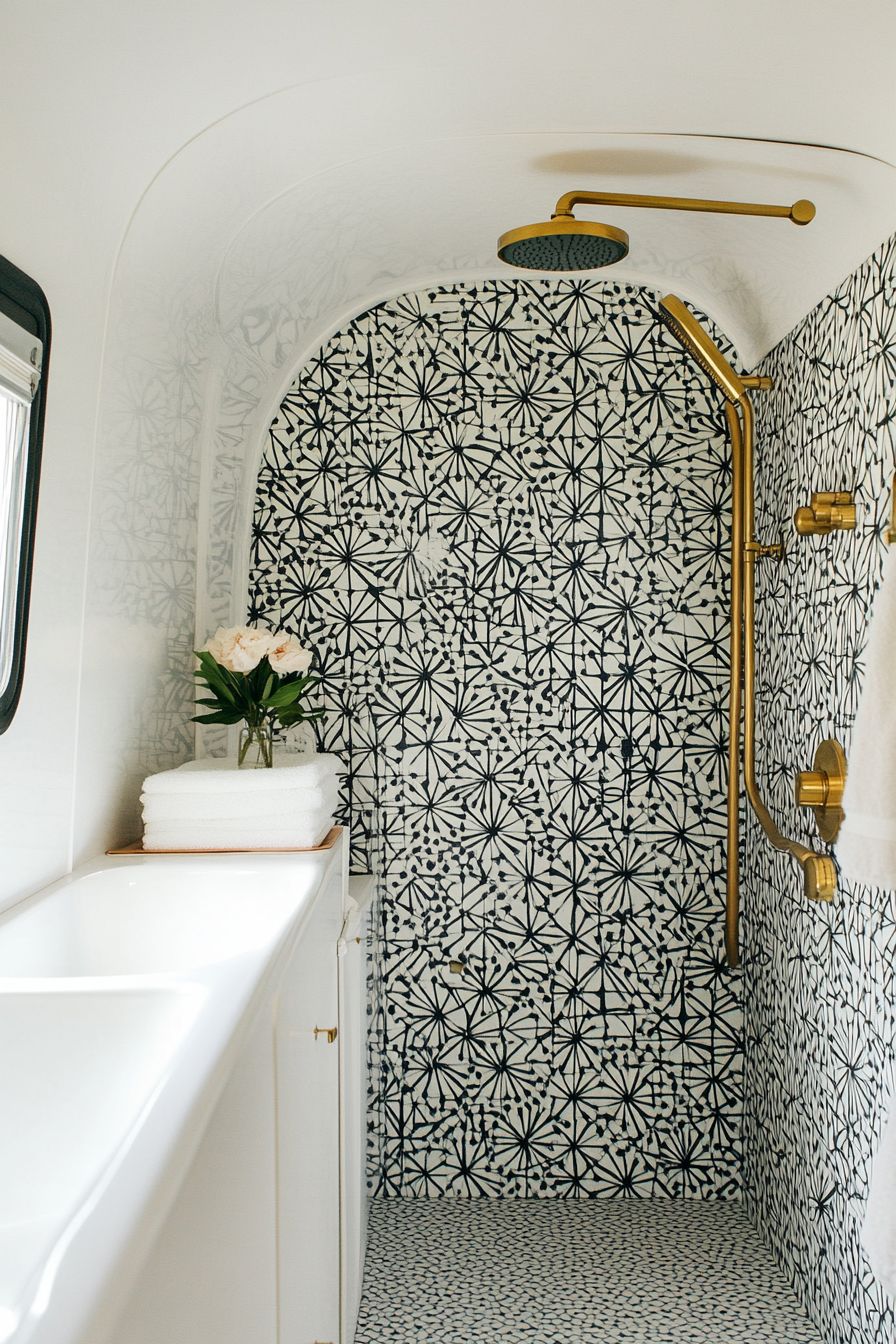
(330, 1032)
(829, 511)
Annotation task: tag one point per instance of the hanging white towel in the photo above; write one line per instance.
(879, 1228)
(866, 845)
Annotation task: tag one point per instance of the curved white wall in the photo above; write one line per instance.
(400, 145)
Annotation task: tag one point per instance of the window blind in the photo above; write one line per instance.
(20, 360)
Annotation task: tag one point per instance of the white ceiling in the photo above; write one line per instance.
(96, 98)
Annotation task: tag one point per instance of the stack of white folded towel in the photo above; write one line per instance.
(213, 804)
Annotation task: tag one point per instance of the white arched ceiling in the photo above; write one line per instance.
(284, 219)
(287, 218)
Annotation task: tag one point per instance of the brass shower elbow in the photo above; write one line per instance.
(819, 878)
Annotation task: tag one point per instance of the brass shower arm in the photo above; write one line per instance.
(801, 212)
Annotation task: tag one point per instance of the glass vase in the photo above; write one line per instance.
(256, 749)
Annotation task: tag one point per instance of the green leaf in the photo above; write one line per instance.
(284, 696)
(290, 692)
(297, 714)
(219, 681)
(223, 717)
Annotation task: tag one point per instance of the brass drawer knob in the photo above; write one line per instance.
(822, 788)
(829, 511)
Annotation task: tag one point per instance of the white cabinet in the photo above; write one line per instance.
(307, 1069)
(249, 1252)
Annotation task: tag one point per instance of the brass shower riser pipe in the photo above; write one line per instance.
(818, 869)
(819, 873)
(736, 661)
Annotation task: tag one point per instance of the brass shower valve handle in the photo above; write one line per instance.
(822, 788)
(830, 511)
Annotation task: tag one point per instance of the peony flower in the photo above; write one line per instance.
(287, 655)
(240, 648)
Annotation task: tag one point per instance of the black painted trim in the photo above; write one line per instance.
(20, 296)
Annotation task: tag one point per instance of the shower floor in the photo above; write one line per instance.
(554, 1271)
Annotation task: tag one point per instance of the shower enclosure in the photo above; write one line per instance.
(501, 514)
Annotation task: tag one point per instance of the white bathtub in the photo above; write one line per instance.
(169, 1121)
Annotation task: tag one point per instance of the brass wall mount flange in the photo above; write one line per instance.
(822, 788)
(829, 511)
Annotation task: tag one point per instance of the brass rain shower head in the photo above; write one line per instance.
(565, 243)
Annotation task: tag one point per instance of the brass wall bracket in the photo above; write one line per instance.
(822, 788)
(890, 533)
(773, 551)
(830, 511)
(330, 1032)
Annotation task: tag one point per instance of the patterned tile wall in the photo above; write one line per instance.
(499, 513)
(819, 983)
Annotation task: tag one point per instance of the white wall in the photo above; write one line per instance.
(403, 142)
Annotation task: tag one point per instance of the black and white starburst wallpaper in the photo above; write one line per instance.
(500, 512)
(819, 980)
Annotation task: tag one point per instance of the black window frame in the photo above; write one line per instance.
(23, 301)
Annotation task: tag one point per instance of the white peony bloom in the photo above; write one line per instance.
(240, 649)
(288, 655)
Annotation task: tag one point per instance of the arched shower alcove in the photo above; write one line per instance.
(499, 513)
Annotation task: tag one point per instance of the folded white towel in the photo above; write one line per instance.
(239, 833)
(879, 1228)
(866, 845)
(269, 804)
(224, 776)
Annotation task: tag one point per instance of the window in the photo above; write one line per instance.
(24, 353)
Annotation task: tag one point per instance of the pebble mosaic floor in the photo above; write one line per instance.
(556, 1271)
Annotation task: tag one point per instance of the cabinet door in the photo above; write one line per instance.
(308, 1129)
(353, 1104)
(211, 1275)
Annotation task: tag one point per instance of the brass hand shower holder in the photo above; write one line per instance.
(819, 873)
